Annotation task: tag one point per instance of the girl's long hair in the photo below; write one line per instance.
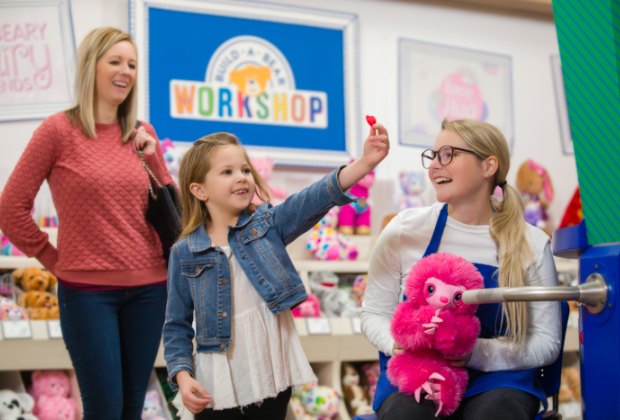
(194, 168)
(508, 227)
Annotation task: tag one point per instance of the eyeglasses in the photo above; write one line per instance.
(445, 154)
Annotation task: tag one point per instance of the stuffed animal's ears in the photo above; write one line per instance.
(52, 279)
(18, 275)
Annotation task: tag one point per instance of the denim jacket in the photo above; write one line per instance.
(199, 273)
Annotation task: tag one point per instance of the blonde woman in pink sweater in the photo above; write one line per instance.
(112, 275)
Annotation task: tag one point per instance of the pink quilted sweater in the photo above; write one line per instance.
(100, 189)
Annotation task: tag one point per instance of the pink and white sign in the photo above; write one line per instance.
(36, 58)
(438, 82)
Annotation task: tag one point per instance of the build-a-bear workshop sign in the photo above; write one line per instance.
(283, 81)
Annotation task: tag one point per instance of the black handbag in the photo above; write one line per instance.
(163, 210)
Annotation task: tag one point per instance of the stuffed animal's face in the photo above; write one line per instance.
(34, 279)
(51, 383)
(441, 295)
(38, 299)
(440, 279)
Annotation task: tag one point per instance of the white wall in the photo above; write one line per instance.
(529, 42)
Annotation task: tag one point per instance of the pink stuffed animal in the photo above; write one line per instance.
(309, 308)
(355, 217)
(51, 384)
(435, 325)
(264, 166)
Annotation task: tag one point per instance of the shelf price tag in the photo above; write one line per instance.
(318, 326)
(16, 329)
(53, 328)
(356, 325)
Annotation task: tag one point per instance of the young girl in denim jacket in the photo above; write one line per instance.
(230, 273)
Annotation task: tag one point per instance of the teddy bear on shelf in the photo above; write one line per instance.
(51, 390)
(434, 325)
(16, 405)
(172, 156)
(534, 185)
(33, 278)
(355, 217)
(40, 304)
(354, 396)
(412, 185)
(264, 166)
(326, 243)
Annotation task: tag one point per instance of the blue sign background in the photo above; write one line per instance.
(181, 43)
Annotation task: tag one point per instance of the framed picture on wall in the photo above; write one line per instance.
(440, 82)
(37, 58)
(560, 100)
(283, 79)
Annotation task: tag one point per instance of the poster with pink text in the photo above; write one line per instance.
(440, 82)
(37, 58)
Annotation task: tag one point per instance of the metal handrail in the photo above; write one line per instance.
(592, 293)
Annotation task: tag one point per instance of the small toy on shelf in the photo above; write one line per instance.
(359, 288)
(317, 402)
(264, 166)
(152, 409)
(335, 302)
(354, 218)
(16, 405)
(355, 398)
(371, 376)
(434, 325)
(534, 185)
(11, 311)
(326, 243)
(309, 308)
(412, 185)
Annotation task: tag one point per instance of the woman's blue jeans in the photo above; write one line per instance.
(112, 338)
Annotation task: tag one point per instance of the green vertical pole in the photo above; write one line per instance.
(589, 39)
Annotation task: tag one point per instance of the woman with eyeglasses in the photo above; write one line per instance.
(469, 160)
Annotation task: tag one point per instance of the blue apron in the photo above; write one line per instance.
(490, 320)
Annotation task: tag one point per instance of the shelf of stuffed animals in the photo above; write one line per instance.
(10, 261)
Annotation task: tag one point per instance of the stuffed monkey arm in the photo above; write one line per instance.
(408, 326)
(457, 334)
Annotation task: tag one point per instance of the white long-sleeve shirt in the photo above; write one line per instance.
(403, 242)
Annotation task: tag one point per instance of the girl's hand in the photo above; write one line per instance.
(143, 141)
(459, 361)
(194, 396)
(376, 146)
(397, 349)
